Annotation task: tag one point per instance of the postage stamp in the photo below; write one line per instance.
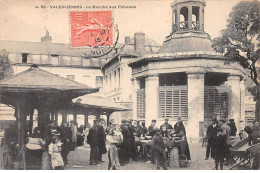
(93, 29)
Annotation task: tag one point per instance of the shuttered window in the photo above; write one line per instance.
(141, 103)
(173, 101)
(215, 101)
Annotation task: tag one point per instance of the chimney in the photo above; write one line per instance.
(139, 42)
(127, 39)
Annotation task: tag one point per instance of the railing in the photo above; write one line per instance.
(184, 25)
(195, 25)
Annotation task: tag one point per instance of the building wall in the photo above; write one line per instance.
(81, 75)
(117, 87)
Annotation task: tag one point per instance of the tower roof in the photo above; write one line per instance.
(188, 41)
(185, 1)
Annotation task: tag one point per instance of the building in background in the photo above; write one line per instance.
(118, 75)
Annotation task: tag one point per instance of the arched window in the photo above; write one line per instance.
(184, 18)
(195, 17)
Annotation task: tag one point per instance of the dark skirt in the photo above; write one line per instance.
(33, 159)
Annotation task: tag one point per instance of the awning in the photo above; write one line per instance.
(96, 104)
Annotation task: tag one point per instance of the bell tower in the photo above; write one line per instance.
(187, 33)
(188, 15)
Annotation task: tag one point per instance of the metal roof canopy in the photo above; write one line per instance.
(95, 105)
(38, 89)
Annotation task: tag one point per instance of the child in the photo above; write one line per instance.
(219, 143)
(55, 153)
(158, 150)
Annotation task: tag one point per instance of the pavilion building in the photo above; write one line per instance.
(187, 78)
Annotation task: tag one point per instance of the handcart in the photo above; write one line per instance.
(243, 153)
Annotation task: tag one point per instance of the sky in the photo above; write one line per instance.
(21, 21)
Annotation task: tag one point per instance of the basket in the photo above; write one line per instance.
(183, 161)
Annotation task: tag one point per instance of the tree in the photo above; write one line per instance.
(240, 41)
(5, 67)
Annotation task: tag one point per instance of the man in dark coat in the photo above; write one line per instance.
(166, 124)
(93, 142)
(124, 153)
(133, 146)
(144, 129)
(138, 129)
(233, 129)
(211, 132)
(101, 140)
(219, 143)
(65, 134)
(152, 128)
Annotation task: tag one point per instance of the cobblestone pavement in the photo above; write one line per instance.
(79, 160)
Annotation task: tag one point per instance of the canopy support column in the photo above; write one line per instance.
(64, 117)
(56, 118)
(52, 117)
(21, 117)
(31, 122)
(41, 120)
(75, 118)
(108, 119)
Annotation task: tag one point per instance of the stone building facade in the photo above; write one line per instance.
(117, 73)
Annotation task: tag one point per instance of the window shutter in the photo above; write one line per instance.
(173, 101)
(215, 101)
(141, 103)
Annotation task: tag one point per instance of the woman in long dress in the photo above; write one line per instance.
(114, 137)
(55, 153)
(86, 131)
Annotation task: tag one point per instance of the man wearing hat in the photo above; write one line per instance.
(211, 132)
(93, 142)
(124, 153)
(219, 144)
(225, 127)
(233, 129)
(166, 124)
(152, 128)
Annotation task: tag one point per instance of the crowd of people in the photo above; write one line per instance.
(124, 142)
(45, 148)
(48, 148)
(219, 142)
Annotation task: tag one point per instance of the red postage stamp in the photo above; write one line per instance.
(91, 29)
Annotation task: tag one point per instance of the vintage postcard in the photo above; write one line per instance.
(129, 85)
